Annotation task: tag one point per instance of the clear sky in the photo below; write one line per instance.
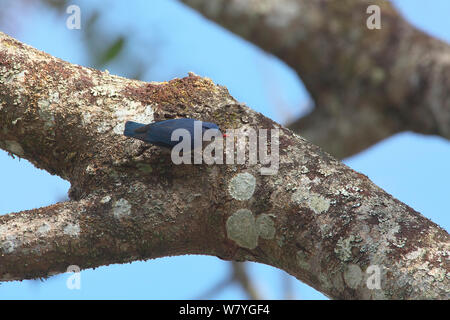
(175, 39)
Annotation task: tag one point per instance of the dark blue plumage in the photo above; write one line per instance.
(160, 133)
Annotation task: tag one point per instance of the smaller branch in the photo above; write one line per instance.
(366, 84)
(287, 283)
(52, 231)
(340, 134)
(238, 275)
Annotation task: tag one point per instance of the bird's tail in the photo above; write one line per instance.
(130, 127)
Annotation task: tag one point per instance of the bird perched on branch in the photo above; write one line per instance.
(160, 133)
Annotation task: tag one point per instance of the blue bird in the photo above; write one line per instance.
(160, 133)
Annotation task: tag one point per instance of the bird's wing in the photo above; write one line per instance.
(160, 133)
(142, 129)
(209, 125)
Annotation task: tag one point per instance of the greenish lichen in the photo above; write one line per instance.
(241, 228)
(242, 186)
(311, 200)
(72, 229)
(266, 226)
(353, 276)
(318, 204)
(343, 249)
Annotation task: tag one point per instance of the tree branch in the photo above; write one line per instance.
(316, 219)
(366, 84)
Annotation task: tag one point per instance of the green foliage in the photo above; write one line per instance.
(111, 52)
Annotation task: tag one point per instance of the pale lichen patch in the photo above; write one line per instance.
(241, 228)
(438, 273)
(44, 228)
(46, 113)
(413, 255)
(353, 276)
(20, 76)
(266, 226)
(105, 90)
(121, 208)
(242, 186)
(86, 118)
(327, 170)
(105, 199)
(12, 74)
(299, 196)
(318, 204)
(103, 127)
(9, 245)
(343, 249)
(90, 169)
(72, 229)
(306, 198)
(133, 111)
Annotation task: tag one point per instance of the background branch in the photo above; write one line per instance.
(238, 275)
(366, 84)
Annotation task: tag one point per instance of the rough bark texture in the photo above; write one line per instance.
(316, 219)
(366, 84)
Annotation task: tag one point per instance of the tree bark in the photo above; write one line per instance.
(366, 84)
(317, 219)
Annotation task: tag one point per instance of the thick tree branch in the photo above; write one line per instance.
(316, 219)
(367, 84)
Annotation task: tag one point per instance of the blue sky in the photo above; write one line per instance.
(413, 168)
